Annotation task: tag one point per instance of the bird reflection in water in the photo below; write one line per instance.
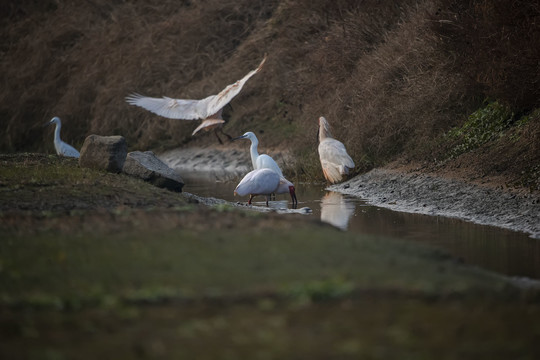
(336, 210)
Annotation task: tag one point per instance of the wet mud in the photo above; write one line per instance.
(416, 192)
(393, 188)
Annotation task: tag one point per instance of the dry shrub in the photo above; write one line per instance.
(389, 77)
(80, 59)
(496, 47)
(373, 69)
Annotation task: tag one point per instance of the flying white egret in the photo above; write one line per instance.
(262, 161)
(335, 161)
(61, 147)
(208, 109)
(265, 182)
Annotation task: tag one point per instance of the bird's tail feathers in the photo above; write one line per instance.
(332, 174)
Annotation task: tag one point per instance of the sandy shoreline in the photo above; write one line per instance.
(399, 190)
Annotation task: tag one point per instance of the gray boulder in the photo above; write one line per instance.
(104, 152)
(147, 166)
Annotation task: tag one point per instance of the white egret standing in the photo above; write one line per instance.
(335, 161)
(208, 109)
(264, 182)
(61, 147)
(262, 161)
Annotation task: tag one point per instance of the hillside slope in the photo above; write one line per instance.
(391, 79)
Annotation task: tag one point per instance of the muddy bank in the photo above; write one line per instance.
(224, 163)
(221, 164)
(417, 192)
(398, 189)
(223, 204)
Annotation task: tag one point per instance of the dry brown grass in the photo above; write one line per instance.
(495, 45)
(390, 78)
(80, 59)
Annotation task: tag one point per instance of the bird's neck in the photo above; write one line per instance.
(57, 132)
(254, 152)
(323, 133)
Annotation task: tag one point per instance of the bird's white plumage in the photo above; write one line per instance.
(61, 147)
(262, 161)
(284, 186)
(258, 182)
(335, 161)
(265, 182)
(171, 108)
(186, 109)
(266, 162)
(336, 210)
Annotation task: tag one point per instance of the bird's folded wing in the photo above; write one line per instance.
(68, 150)
(171, 108)
(331, 171)
(258, 182)
(334, 152)
(226, 95)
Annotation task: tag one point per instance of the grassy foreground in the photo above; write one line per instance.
(103, 265)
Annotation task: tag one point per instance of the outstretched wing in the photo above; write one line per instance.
(218, 101)
(171, 108)
(191, 109)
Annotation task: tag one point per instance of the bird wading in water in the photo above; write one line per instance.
(264, 161)
(265, 182)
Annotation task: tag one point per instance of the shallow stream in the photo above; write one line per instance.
(504, 251)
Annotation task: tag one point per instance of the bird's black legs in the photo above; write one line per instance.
(219, 139)
(224, 133)
(227, 135)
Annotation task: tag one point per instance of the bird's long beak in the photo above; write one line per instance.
(238, 138)
(293, 197)
(46, 124)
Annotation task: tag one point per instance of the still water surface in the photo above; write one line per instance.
(504, 251)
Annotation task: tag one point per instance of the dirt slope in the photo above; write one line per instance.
(391, 79)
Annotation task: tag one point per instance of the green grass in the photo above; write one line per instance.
(484, 125)
(54, 184)
(142, 273)
(248, 292)
(72, 270)
(367, 328)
